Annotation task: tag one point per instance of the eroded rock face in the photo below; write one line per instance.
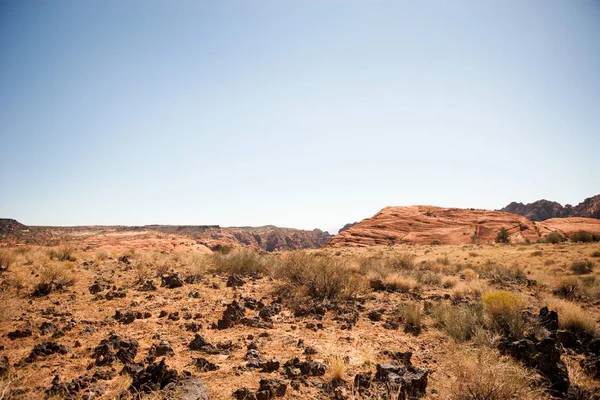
(543, 209)
(19, 334)
(542, 355)
(45, 349)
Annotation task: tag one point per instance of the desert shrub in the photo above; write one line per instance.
(435, 242)
(466, 290)
(568, 288)
(468, 274)
(54, 276)
(429, 278)
(101, 255)
(19, 279)
(62, 253)
(449, 282)
(499, 273)
(554, 238)
(549, 262)
(336, 367)
(582, 267)
(572, 317)
(537, 253)
(443, 260)
(241, 261)
(319, 277)
(223, 249)
(596, 254)
(400, 283)
(7, 259)
(503, 236)
(402, 261)
(473, 254)
(484, 375)
(504, 310)
(459, 322)
(411, 315)
(584, 237)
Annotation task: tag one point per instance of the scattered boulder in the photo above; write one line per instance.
(45, 349)
(172, 281)
(408, 380)
(148, 286)
(542, 355)
(193, 326)
(19, 334)
(203, 365)
(232, 315)
(200, 344)
(548, 319)
(47, 328)
(235, 280)
(153, 378)
(268, 389)
(266, 313)
(4, 366)
(161, 350)
(113, 348)
(295, 368)
(128, 317)
(191, 388)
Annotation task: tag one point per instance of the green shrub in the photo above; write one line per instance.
(503, 236)
(435, 243)
(584, 237)
(582, 267)
(554, 238)
(505, 311)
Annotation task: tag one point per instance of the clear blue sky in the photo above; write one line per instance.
(296, 113)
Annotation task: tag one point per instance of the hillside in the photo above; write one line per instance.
(425, 224)
(266, 238)
(542, 210)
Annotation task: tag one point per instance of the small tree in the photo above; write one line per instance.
(503, 236)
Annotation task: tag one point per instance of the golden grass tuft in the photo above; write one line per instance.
(505, 311)
(468, 274)
(572, 317)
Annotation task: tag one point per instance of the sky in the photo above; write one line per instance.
(304, 114)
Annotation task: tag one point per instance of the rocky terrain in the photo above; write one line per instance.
(266, 238)
(404, 322)
(542, 210)
(427, 224)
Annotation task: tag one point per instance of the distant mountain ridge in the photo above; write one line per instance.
(265, 238)
(542, 210)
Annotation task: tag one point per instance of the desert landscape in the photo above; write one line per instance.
(414, 302)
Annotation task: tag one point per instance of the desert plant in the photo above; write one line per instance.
(468, 274)
(336, 368)
(101, 255)
(54, 276)
(503, 236)
(572, 317)
(411, 315)
(241, 261)
(443, 260)
(584, 237)
(435, 242)
(554, 238)
(7, 259)
(429, 278)
(484, 375)
(319, 277)
(504, 310)
(62, 253)
(399, 262)
(449, 282)
(537, 253)
(459, 322)
(568, 288)
(582, 267)
(466, 290)
(596, 254)
(400, 283)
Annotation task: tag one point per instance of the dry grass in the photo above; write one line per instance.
(412, 316)
(62, 253)
(468, 274)
(7, 259)
(481, 374)
(336, 367)
(400, 283)
(467, 290)
(449, 282)
(318, 276)
(54, 276)
(460, 322)
(571, 316)
(241, 261)
(582, 267)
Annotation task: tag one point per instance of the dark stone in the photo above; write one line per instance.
(97, 287)
(128, 317)
(362, 381)
(548, 319)
(544, 356)
(4, 366)
(308, 367)
(47, 328)
(148, 286)
(199, 344)
(203, 365)
(568, 339)
(377, 285)
(235, 281)
(232, 315)
(124, 259)
(270, 365)
(256, 322)
(385, 369)
(68, 390)
(172, 281)
(19, 333)
(105, 374)
(193, 326)
(267, 312)
(115, 294)
(153, 378)
(113, 348)
(162, 349)
(375, 315)
(45, 349)
(275, 387)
